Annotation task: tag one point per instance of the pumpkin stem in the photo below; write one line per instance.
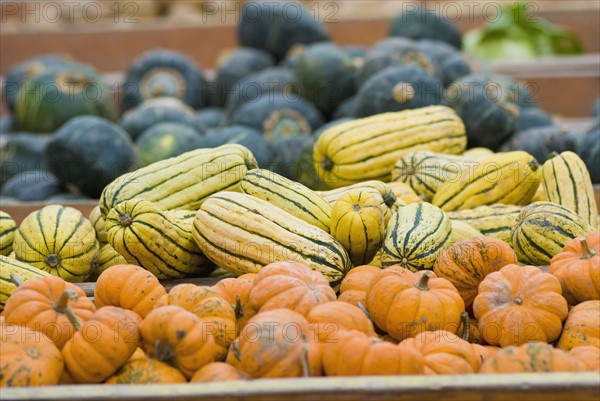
(363, 309)
(305, 363)
(237, 308)
(464, 318)
(163, 353)
(587, 253)
(424, 281)
(124, 219)
(61, 305)
(235, 350)
(16, 279)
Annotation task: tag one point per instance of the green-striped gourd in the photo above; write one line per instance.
(8, 227)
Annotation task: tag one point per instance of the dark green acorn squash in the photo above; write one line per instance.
(234, 66)
(451, 63)
(277, 26)
(345, 109)
(532, 117)
(22, 152)
(247, 136)
(279, 116)
(398, 88)
(49, 99)
(32, 185)
(541, 141)
(165, 140)
(326, 76)
(154, 111)
(163, 73)
(88, 152)
(425, 24)
(209, 118)
(262, 84)
(589, 151)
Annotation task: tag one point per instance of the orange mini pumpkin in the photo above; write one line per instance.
(140, 369)
(327, 319)
(354, 285)
(102, 344)
(290, 285)
(236, 291)
(531, 357)
(353, 353)
(403, 303)
(29, 358)
(276, 343)
(178, 337)
(216, 314)
(445, 352)
(218, 372)
(518, 304)
(582, 326)
(44, 304)
(578, 269)
(588, 355)
(130, 287)
(467, 262)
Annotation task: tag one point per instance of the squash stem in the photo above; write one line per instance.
(237, 308)
(587, 253)
(363, 309)
(305, 363)
(390, 199)
(61, 305)
(464, 317)
(16, 279)
(125, 219)
(424, 281)
(163, 353)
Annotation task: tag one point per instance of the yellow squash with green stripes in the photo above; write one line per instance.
(416, 236)
(389, 203)
(426, 171)
(510, 178)
(462, 231)
(159, 241)
(357, 223)
(8, 227)
(492, 221)
(567, 181)
(60, 241)
(367, 148)
(543, 229)
(478, 153)
(95, 217)
(184, 181)
(242, 233)
(108, 257)
(23, 271)
(293, 197)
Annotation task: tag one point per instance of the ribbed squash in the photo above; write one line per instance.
(493, 221)
(7, 233)
(404, 192)
(58, 240)
(159, 241)
(290, 196)
(426, 171)
(416, 236)
(389, 200)
(582, 326)
(462, 231)
(357, 223)
(95, 217)
(478, 153)
(109, 257)
(242, 233)
(529, 358)
(508, 178)
(567, 182)
(367, 148)
(24, 271)
(354, 286)
(543, 229)
(184, 181)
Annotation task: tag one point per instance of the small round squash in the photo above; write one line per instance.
(236, 291)
(531, 357)
(218, 372)
(582, 326)
(329, 318)
(354, 285)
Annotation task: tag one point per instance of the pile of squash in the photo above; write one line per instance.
(423, 258)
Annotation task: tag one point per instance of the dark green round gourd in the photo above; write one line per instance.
(163, 73)
(286, 155)
(262, 84)
(277, 26)
(541, 142)
(589, 151)
(209, 118)
(32, 185)
(280, 115)
(345, 109)
(88, 152)
(51, 98)
(27, 69)
(316, 133)
(165, 140)
(155, 111)
(532, 117)
(393, 52)
(425, 24)
(236, 65)
(398, 88)
(451, 63)
(243, 135)
(326, 75)
(22, 152)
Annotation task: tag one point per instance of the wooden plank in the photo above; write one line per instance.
(89, 287)
(583, 386)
